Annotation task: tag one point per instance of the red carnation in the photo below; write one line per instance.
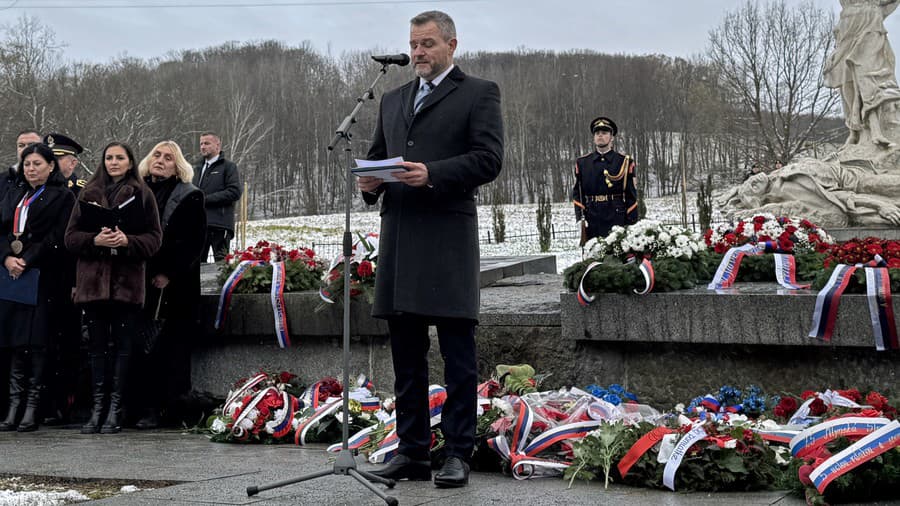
(785, 244)
(817, 407)
(807, 394)
(365, 269)
(876, 400)
(790, 229)
(740, 228)
(759, 219)
(286, 377)
(720, 248)
(893, 263)
(757, 226)
(786, 407)
(730, 238)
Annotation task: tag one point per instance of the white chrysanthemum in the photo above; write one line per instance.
(218, 426)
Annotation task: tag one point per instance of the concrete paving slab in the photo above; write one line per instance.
(213, 473)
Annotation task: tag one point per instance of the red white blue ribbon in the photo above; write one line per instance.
(674, 462)
(282, 424)
(248, 416)
(727, 272)
(777, 435)
(363, 437)
(20, 217)
(437, 396)
(864, 450)
(278, 311)
(828, 300)
(363, 381)
(239, 392)
(646, 269)
(812, 438)
(786, 272)
(878, 295)
(228, 289)
(332, 405)
(585, 298)
(523, 455)
(881, 308)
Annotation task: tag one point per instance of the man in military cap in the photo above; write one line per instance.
(605, 194)
(63, 371)
(66, 151)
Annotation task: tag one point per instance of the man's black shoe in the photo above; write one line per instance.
(455, 473)
(401, 467)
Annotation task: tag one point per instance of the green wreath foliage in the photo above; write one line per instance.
(297, 275)
(671, 274)
(857, 282)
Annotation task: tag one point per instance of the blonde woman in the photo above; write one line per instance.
(173, 277)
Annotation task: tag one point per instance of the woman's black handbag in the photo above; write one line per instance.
(150, 328)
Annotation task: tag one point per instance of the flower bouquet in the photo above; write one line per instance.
(791, 235)
(302, 268)
(362, 273)
(675, 252)
(259, 409)
(862, 251)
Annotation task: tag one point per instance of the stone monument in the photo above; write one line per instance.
(859, 185)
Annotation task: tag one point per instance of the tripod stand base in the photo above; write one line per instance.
(344, 465)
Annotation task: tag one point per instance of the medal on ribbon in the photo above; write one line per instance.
(19, 220)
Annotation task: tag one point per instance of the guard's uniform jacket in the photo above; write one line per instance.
(75, 184)
(604, 192)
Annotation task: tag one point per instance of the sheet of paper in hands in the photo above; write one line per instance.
(379, 168)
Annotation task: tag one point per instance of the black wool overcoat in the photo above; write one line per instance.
(428, 259)
(45, 228)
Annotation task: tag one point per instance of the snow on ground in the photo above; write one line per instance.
(39, 498)
(323, 232)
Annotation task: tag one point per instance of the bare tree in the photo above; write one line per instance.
(770, 60)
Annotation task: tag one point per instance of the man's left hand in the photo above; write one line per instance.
(415, 175)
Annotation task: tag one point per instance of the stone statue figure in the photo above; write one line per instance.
(832, 193)
(862, 67)
(859, 184)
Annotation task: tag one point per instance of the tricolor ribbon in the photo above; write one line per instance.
(228, 288)
(363, 437)
(830, 398)
(809, 440)
(786, 272)
(585, 298)
(878, 295)
(248, 413)
(331, 405)
(437, 395)
(239, 392)
(522, 455)
(277, 295)
(281, 425)
(278, 311)
(696, 434)
(864, 450)
(727, 272)
(776, 435)
(881, 308)
(21, 215)
(828, 300)
(646, 269)
(363, 381)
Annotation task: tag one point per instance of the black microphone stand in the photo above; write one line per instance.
(345, 464)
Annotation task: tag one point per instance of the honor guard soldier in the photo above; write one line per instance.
(66, 151)
(605, 194)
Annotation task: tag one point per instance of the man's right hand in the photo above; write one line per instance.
(368, 183)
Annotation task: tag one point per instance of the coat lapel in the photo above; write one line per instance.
(443, 89)
(407, 96)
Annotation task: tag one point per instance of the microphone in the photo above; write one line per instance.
(401, 60)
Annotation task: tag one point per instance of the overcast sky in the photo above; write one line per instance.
(101, 30)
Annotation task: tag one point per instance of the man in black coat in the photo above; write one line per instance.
(448, 125)
(221, 183)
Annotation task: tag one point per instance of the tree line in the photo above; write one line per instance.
(754, 97)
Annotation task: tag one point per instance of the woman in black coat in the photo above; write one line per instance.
(173, 279)
(113, 230)
(33, 223)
